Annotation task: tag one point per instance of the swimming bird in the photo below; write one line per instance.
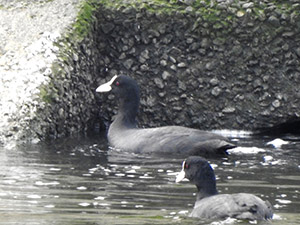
(124, 134)
(211, 205)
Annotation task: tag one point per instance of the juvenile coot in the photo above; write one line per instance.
(124, 134)
(211, 205)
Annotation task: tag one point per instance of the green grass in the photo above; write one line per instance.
(85, 18)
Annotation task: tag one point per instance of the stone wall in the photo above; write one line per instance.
(231, 65)
(203, 64)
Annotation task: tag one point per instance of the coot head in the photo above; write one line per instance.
(123, 86)
(127, 92)
(199, 172)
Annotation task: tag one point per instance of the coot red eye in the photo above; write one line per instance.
(186, 166)
(117, 83)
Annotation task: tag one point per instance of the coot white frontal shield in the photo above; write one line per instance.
(107, 86)
(181, 174)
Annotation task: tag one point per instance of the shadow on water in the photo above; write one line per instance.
(80, 181)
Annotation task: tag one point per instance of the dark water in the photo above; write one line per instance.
(78, 181)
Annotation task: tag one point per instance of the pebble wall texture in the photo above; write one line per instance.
(237, 68)
(223, 65)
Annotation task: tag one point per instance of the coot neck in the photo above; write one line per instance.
(206, 183)
(206, 191)
(127, 112)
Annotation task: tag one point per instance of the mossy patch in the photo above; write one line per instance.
(45, 94)
(85, 18)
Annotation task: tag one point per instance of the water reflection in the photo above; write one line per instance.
(78, 181)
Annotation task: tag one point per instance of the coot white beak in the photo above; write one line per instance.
(107, 86)
(181, 174)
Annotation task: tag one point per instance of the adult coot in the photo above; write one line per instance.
(124, 134)
(211, 205)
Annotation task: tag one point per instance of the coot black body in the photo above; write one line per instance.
(124, 134)
(211, 205)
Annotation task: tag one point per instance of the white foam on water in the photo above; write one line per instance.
(245, 150)
(283, 201)
(81, 188)
(277, 143)
(233, 133)
(84, 204)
